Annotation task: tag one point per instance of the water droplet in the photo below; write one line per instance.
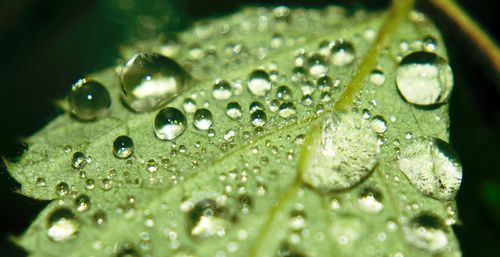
(424, 78)
(82, 203)
(259, 83)
(287, 109)
(317, 65)
(377, 77)
(342, 53)
(62, 225)
(258, 118)
(307, 87)
(123, 147)
(233, 110)
(379, 124)
(150, 80)
(340, 153)
(100, 217)
(202, 119)
(284, 93)
(430, 43)
(128, 251)
(169, 123)
(40, 181)
(189, 105)
(254, 106)
(432, 166)
(324, 83)
(89, 100)
(307, 100)
(62, 189)
(221, 90)
(79, 160)
(427, 232)
(207, 219)
(370, 201)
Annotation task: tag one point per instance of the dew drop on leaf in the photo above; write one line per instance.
(424, 78)
(79, 160)
(189, 105)
(284, 93)
(82, 203)
(89, 100)
(259, 83)
(317, 65)
(62, 225)
(287, 109)
(169, 123)
(427, 232)
(258, 118)
(370, 201)
(123, 147)
(324, 83)
(202, 119)
(62, 189)
(377, 77)
(342, 53)
(150, 80)
(432, 166)
(221, 90)
(206, 220)
(233, 110)
(340, 153)
(379, 124)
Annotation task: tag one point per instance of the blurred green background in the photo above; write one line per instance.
(45, 46)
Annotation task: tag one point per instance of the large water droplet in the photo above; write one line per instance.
(150, 80)
(427, 232)
(62, 225)
(340, 153)
(89, 100)
(123, 147)
(259, 83)
(342, 53)
(202, 119)
(424, 78)
(169, 123)
(432, 166)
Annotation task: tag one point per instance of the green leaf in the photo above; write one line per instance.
(244, 190)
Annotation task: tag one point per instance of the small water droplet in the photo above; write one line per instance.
(379, 124)
(150, 80)
(82, 203)
(62, 225)
(221, 90)
(430, 43)
(424, 78)
(324, 83)
(79, 160)
(202, 119)
(259, 83)
(207, 219)
(426, 231)
(123, 147)
(307, 100)
(432, 166)
(370, 201)
(258, 118)
(317, 65)
(342, 53)
(100, 217)
(377, 77)
(233, 110)
(284, 93)
(254, 106)
(169, 123)
(189, 105)
(62, 189)
(40, 181)
(287, 109)
(89, 100)
(340, 153)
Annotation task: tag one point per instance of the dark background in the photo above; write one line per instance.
(45, 46)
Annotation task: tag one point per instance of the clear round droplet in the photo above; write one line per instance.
(432, 166)
(287, 109)
(324, 83)
(82, 203)
(427, 232)
(62, 189)
(342, 53)
(370, 201)
(233, 110)
(221, 90)
(62, 225)
(424, 78)
(79, 160)
(339, 153)
(254, 106)
(150, 80)
(258, 118)
(317, 65)
(284, 93)
(207, 220)
(379, 124)
(377, 77)
(123, 147)
(89, 100)
(202, 119)
(169, 123)
(259, 83)
(189, 105)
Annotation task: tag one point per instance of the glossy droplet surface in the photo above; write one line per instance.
(206, 219)
(379, 124)
(287, 109)
(233, 110)
(123, 147)
(426, 232)
(370, 201)
(342, 53)
(424, 78)
(82, 203)
(432, 166)
(258, 118)
(377, 77)
(89, 100)
(202, 119)
(317, 65)
(259, 83)
(339, 153)
(169, 123)
(150, 80)
(221, 90)
(62, 225)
